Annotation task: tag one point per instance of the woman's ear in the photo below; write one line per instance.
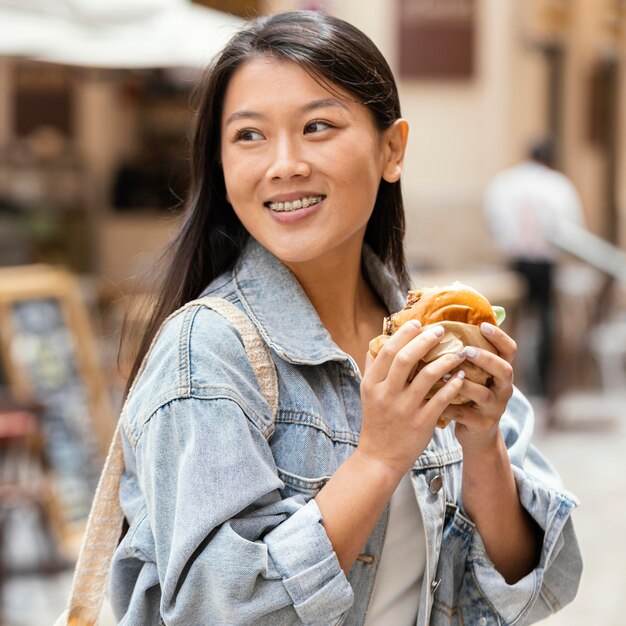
(394, 145)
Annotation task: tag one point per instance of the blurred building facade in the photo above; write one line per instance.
(536, 66)
(540, 65)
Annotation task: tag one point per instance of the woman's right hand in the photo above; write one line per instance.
(398, 421)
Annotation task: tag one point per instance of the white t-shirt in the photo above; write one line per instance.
(523, 203)
(395, 597)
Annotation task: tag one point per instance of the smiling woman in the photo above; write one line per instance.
(339, 501)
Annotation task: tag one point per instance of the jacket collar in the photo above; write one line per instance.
(281, 310)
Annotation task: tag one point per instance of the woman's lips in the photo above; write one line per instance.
(295, 210)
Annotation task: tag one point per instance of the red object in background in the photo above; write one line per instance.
(16, 424)
(437, 38)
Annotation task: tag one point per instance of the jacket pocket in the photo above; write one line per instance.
(139, 541)
(307, 452)
(301, 485)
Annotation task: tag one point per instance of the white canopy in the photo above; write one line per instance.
(114, 34)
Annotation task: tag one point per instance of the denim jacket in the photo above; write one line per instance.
(224, 527)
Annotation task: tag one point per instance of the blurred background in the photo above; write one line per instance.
(94, 119)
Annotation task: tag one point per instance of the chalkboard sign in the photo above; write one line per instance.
(49, 355)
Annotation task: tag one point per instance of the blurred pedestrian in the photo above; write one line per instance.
(522, 205)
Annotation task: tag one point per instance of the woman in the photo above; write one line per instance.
(295, 215)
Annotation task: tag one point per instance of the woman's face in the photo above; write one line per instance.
(302, 165)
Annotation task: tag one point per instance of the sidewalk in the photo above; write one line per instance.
(591, 458)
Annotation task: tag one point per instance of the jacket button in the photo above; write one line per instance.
(436, 484)
(368, 559)
(482, 621)
(434, 586)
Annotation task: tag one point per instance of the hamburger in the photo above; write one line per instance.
(460, 310)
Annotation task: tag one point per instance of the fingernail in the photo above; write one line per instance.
(438, 331)
(470, 352)
(416, 323)
(487, 328)
(460, 374)
(447, 377)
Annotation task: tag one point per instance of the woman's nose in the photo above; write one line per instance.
(288, 161)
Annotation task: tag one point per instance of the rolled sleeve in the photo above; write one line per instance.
(554, 582)
(313, 578)
(226, 544)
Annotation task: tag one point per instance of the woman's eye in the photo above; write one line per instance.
(316, 127)
(247, 134)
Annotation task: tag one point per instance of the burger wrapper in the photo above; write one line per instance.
(456, 336)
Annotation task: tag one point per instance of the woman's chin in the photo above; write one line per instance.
(314, 246)
(292, 255)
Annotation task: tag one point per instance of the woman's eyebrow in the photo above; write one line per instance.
(307, 108)
(237, 115)
(325, 102)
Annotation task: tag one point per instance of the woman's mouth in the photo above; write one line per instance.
(293, 205)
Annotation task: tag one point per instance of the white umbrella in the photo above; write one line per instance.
(114, 33)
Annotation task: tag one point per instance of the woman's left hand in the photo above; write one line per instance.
(477, 423)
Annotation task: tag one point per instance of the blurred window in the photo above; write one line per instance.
(43, 96)
(155, 175)
(42, 177)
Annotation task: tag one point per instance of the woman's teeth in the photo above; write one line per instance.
(294, 205)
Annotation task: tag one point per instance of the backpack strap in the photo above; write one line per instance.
(104, 524)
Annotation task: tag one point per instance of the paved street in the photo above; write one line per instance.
(591, 458)
(589, 450)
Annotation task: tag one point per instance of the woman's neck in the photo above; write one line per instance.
(347, 306)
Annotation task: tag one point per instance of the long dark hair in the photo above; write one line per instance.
(211, 237)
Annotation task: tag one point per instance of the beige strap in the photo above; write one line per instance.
(102, 534)
(257, 349)
(104, 524)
